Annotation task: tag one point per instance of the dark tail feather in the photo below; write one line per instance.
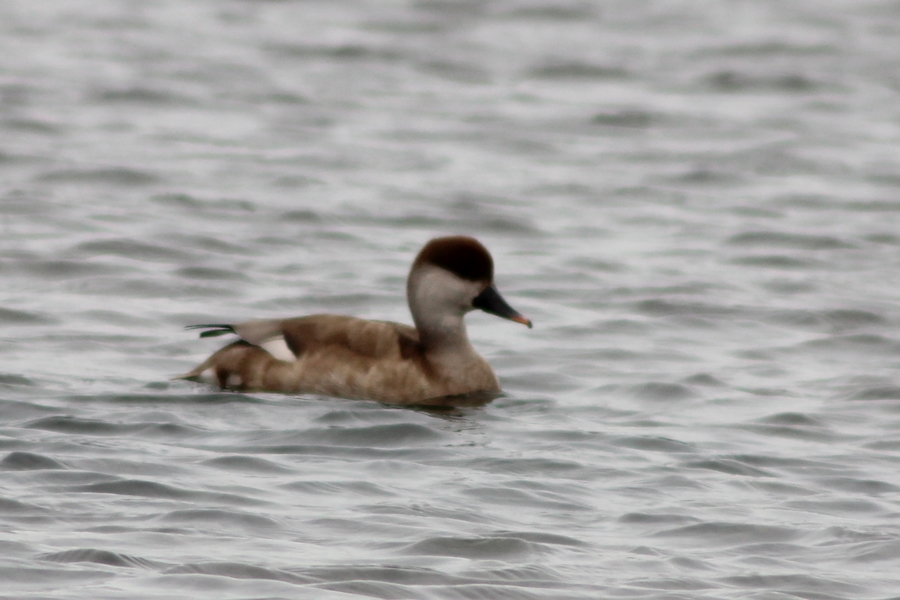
(215, 330)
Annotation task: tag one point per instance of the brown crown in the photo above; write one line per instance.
(463, 256)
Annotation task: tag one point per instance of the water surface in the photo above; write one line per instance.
(695, 202)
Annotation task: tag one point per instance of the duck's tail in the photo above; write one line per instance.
(213, 329)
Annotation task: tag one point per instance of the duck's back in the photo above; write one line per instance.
(338, 356)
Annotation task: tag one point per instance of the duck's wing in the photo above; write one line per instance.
(288, 339)
(360, 337)
(268, 334)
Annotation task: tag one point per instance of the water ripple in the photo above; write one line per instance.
(696, 204)
(28, 461)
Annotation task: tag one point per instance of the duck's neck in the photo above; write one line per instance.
(444, 334)
(438, 310)
(447, 348)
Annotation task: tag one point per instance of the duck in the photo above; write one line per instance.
(348, 357)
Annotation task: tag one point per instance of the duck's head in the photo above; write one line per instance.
(450, 277)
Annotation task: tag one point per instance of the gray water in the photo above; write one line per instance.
(697, 204)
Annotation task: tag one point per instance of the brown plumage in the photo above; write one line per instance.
(348, 357)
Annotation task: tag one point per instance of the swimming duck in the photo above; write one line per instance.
(344, 356)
